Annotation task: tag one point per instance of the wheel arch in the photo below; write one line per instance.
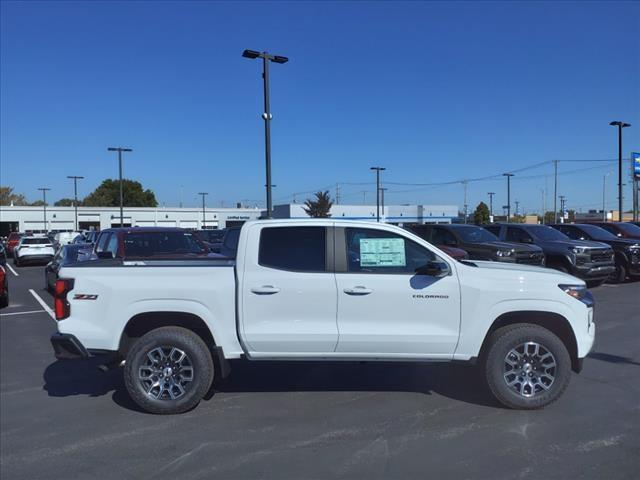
(554, 322)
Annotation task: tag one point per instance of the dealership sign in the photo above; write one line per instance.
(636, 164)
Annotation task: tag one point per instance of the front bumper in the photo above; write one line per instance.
(67, 347)
(600, 272)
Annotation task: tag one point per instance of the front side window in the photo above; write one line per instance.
(442, 236)
(299, 249)
(573, 233)
(473, 234)
(379, 251)
(515, 234)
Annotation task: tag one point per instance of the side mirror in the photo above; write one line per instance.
(105, 255)
(434, 269)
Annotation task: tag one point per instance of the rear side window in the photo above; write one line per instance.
(300, 249)
(102, 242)
(149, 244)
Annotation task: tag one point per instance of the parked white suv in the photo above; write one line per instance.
(33, 250)
(65, 238)
(323, 290)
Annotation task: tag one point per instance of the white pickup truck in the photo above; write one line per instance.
(323, 290)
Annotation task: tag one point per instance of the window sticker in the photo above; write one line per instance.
(382, 252)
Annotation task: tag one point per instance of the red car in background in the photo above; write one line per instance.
(12, 241)
(4, 288)
(453, 252)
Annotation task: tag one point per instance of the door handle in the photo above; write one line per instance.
(265, 290)
(359, 290)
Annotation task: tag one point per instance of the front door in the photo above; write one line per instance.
(289, 291)
(384, 307)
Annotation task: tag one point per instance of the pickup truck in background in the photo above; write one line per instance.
(323, 290)
(479, 244)
(591, 261)
(626, 250)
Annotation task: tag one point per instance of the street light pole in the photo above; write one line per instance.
(562, 199)
(44, 204)
(382, 190)
(555, 191)
(620, 126)
(204, 194)
(491, 194)
(378, 170)
(75, 196)
(604, 189)
(508, 175)
(266, 58)
(120, 150)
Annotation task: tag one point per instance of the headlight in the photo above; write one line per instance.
(578, 250)
(579, 292)
(504, 253)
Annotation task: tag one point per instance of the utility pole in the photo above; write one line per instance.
(378, 170)
(382, 190)
(337, 194)
(364, 197)
(266, 59)
(517, 205)
(44, 204)
(204, 220)
(562, 199)
(491, 194)
(635, 158)
(508, 175)
(620, 126)
(75, 196)
(120, 150)
(466, 207)
(544, 207)
(555, 191)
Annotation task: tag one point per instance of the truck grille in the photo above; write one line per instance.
(530, 258)
(602, 256)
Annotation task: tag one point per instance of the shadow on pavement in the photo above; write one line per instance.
(607, 357)
(82, 377)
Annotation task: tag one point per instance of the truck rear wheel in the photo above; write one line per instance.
(168, 370)
(526, 366)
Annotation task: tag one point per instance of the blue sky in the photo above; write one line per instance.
(435, 92)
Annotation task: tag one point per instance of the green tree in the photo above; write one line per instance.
(481, 215)
(38, 203)
(7, 197)
(65, 202)
(108, 195)
(320, 207)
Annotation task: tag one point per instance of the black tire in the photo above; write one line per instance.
(502, 342)
(166, 338)
(4, 301)
(16, 261)
(620, 275)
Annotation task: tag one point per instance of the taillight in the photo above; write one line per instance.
(62, 307)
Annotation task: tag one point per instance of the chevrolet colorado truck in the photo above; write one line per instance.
(322, 289)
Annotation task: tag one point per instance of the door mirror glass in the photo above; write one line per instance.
(433, 269)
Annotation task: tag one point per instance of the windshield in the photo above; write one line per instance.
(211, 235)
(149, 244)
(597, 233)
(36, 241)
(546, 233)
(473, 234)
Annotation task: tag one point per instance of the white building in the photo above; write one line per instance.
(15, 218)
(396, 214)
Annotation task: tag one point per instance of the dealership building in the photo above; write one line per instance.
(21, 219)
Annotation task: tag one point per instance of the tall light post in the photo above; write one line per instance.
(604, 189)
(620, 126)
(120, 150)
(508, 175)
(382, 190)
(204, 194)
(44, 204)
(266, 58)
(562, 201)
(555, 191)
(491, 194)
(378, 170)
(75, 196)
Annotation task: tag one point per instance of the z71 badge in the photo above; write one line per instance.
(84, 296)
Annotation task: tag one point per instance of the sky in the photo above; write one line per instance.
(434, 92)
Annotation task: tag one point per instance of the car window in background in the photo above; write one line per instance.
(598, 233)
(36, 241)
(230, 243)
(629, 228)
(495, 229)
(442, 236)
(572, 232)
(474, 234)
(544, 232)
(379, 251)
(518, 235)
(102, 242)
(300, 249)
(149, 244)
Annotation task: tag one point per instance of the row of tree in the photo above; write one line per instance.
(106, 195)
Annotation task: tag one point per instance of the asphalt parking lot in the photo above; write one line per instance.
(315, 420)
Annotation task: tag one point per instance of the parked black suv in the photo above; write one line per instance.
(620, 229)
(627, 251)
(479, 243)
(591, 261)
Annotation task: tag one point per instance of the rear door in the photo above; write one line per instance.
(384, 307)
(288, 291)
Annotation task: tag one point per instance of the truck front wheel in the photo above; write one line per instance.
(168, 370)
(526, 366)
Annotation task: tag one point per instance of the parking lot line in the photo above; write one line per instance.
(21, 313)
(43, 303)
(12, 270)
